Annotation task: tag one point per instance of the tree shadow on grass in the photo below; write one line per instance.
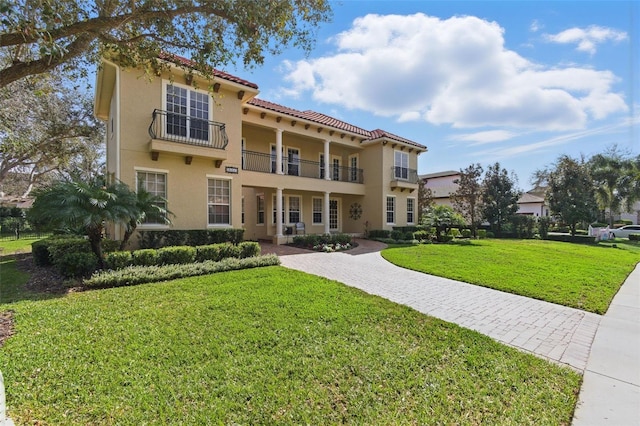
(21, 280)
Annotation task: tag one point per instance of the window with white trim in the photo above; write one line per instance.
(353, 168)
(273, 218)
(401, 165)
(411, 203)
(154, 183)
(293, 161)
(317, 210)
(321, 166)
(294, 209)
(219, 201)
(187, 112)
(391, 210)
(260, 204)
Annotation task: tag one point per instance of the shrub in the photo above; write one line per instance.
(396, 235)
(75, 265)
(466, 233)
(482, 233)
(421, 235)
(109, 246)
(489, 234)
(145, 257)
(176, 255)
(378, 233)
(118, 259)
(405, 229)
(634, 237)
(146, 274)
(599, 225)
(343, 239)
(543, 226)
(454, 233)
(193, 237)
(208, 252)
(60, 246)
(249, 249)
(581, 239)
(40, 253)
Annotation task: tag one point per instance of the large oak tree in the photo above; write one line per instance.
(39, 36)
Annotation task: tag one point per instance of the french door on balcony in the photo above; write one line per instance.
(187, 113)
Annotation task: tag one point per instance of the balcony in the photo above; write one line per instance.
(266, 163)
(404, 178)
(190, 136)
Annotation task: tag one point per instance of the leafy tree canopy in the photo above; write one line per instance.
(38, 36)
(500, 196)
(571, 192)
(467, 199)
(443, 218)
(46, 128)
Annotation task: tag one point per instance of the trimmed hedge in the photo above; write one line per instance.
(147, 274)
(181, 254)
(193, 237)
(580, 239)
(379, 233)
(634, 237)
(72, 265)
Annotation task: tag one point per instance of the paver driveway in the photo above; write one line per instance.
(554, 332)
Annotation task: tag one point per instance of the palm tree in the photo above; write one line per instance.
(149, 207)
(86, 205)
(607, 174)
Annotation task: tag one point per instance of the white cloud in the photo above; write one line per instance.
(535, 26)
(454, 71)
(587, 38)
(486, 137)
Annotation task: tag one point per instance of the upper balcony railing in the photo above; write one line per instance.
(404, 174)
(266, 163)
(189, 130)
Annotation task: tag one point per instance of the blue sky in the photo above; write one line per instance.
(477, 81)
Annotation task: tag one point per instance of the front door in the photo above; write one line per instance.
(334, 215)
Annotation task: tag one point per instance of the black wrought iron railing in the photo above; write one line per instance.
(404, 174)
(266, 163)
(186, 129)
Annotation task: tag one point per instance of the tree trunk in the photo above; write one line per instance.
(95, 237)
(128, 233)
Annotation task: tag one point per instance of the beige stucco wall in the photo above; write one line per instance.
(186, 183)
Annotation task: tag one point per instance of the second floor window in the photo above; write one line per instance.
(187, 113)
(401, 165)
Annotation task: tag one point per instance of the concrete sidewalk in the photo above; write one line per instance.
(610, 393)
(611, 363)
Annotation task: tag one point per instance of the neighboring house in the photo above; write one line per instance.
(533, 203)
(442, 186)
(224, 158)
(633, 215)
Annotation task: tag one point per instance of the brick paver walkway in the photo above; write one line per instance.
(554, 332)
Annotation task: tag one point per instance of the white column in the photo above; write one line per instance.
(279, 208)
(279, 151)
(326, 213)
(327, 160)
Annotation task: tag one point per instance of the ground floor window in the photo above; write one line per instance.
(260, 204)
(317, 210)
(294, 209)
(333, 214)
(411, 210)
(155, 184)
(391, 210)
(219, 201)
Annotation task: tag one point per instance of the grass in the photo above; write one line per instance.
(12, 281)
(581, 276)
(264, 346)
(22, 245)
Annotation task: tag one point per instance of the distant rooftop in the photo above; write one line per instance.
(439, 174)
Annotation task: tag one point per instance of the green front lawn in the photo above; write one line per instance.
(581, 276)
(22, 245)
(264, 346)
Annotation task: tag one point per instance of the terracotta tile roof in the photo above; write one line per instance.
(326, 120)
(179, 60)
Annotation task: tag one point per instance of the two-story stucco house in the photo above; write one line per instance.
(221, 157)
(442, 185)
